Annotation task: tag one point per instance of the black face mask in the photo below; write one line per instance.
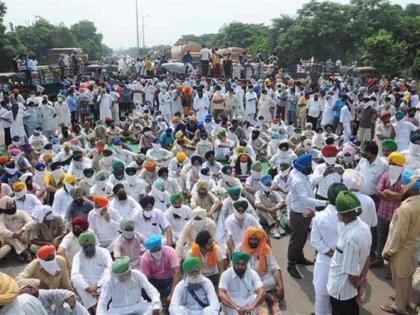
(78, 158)
(8, 211)
(77, 233)
(254, 137)
(122, 195)
(308, 170)
(89, 250)
(176, 216)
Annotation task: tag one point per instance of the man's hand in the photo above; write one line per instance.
(310, 214)
(155, 312)
(248, 309)
(92, 289)
(387, 256)
(106, 216)
(329, 170)
(280, 293)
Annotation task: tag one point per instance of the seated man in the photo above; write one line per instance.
(25, 201)
(129, 243)
(70, 246)
(48, 228)
(240, 289)
(195, 294)
(205, 199)
(62, 197)
(161, 266)
(177, 214)
(123, 292)
(125, 205)
(47, 271)
(90, 268)
(80, 206)
(238, 222)
(15, 225)
(198, 222)
(212, 258)
(255, 243)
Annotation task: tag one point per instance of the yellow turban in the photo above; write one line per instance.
(179, 135)
(181, 156)
(9, 289)
(19, 186)
(202, 184)
(70, 179)
(240, 150)
(397, 158)
(47, 157)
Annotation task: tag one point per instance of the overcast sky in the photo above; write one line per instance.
(167, 19)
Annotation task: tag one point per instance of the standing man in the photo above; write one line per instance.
(350, 262)
(205, 59)
(302, 204)
(401, 248)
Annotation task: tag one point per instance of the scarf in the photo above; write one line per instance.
(261, 251)
(211, 256)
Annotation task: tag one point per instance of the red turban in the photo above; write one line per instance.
(385, 116)
(45, 251)
(329, 150)
(81, 221)
(100, 201)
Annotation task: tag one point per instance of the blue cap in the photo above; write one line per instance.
(266, 180)
(303, 161)
(154, 241)
(405, 178)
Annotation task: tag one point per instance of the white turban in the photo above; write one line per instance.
(352, 179)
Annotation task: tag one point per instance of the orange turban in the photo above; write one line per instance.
(262, 249)
(45, 251)
(150, 165)
(100, 201)
(4, 159)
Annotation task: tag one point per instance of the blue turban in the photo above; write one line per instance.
(154, 241)
(266, 180)
(205, 171)
(55, 140)
(405, 178)
(196, 158)
(39, 165)
(116, 141)
(208, 118)
(303, 161)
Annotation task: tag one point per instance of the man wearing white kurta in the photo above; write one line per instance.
(324, 235)
(105, 105)
(201, 105)
(165, 104)
(124, 290)
(90, 269)
(250, 105)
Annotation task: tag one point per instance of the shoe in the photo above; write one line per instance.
(305, 262)
(274, 232)
(294, 272)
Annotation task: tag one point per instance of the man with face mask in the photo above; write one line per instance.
(324, 235)
(16, 118)
(134, 186)
(15, 225)
(201, 105)
(204, 198)
(24, 200)
(350, 261)
(78, 163)
(160, 265)
(125, 205)
(403, 131)
(53, 180)
(47, 271)
(326, 173)
(101, 186)
(124, 155)
(48, 228)
(240, 290)
(91, 267)
(80, 206)
(11, 175)
(148, 173)
(62, 110)
(302, 204)
(195, 294)
(70, 246)
(149, 220)
(401, 248)
(47, 118)
(104, 221)
(123, 292)
(384, 130)
(268, 204)
(177, 214)
(118, 173)
(412, 154)
(328, 112)
(284, 154)
(158, 154)
(129, 243)
(255, 243)
(199, 222)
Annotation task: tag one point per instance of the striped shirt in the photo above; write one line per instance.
(349, 258)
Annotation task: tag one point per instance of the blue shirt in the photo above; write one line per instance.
(339, 104)
(165, 139)
(71, 103)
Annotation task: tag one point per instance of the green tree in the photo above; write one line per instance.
(88, 38)
(384, 52)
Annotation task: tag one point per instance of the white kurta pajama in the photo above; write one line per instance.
(165, 105)
(105, 106)
(324, 235)
(201, 107)
(126, 297)
(87, 271)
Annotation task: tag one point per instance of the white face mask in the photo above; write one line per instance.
(285, 172)
(256, 174)
(157, 255)
(156, 146)
(394, 173)
(265, 188)
(128, 234)
(20, 194)
(194, 279)
(10, 171)
(107, 159)
(147, 214)
(239, 216)
(330, 160)
(117, 148)
(49, 216)
(49, 266)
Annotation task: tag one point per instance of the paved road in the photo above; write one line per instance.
(299, 293)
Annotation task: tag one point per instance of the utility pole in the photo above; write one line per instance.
(137, 29)
(142, 29)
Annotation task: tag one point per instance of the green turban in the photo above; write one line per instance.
(255, 164)
(389, 144)
(125, 223)
(117, 164)
(87, 237)
(120, 265)
(234, 191)
(176, 197)
(334, 190)
(189, 263)
(347, 203)
(241, 204)
(101, 175)
(238, 256)
(399, 115)
(77, 192)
